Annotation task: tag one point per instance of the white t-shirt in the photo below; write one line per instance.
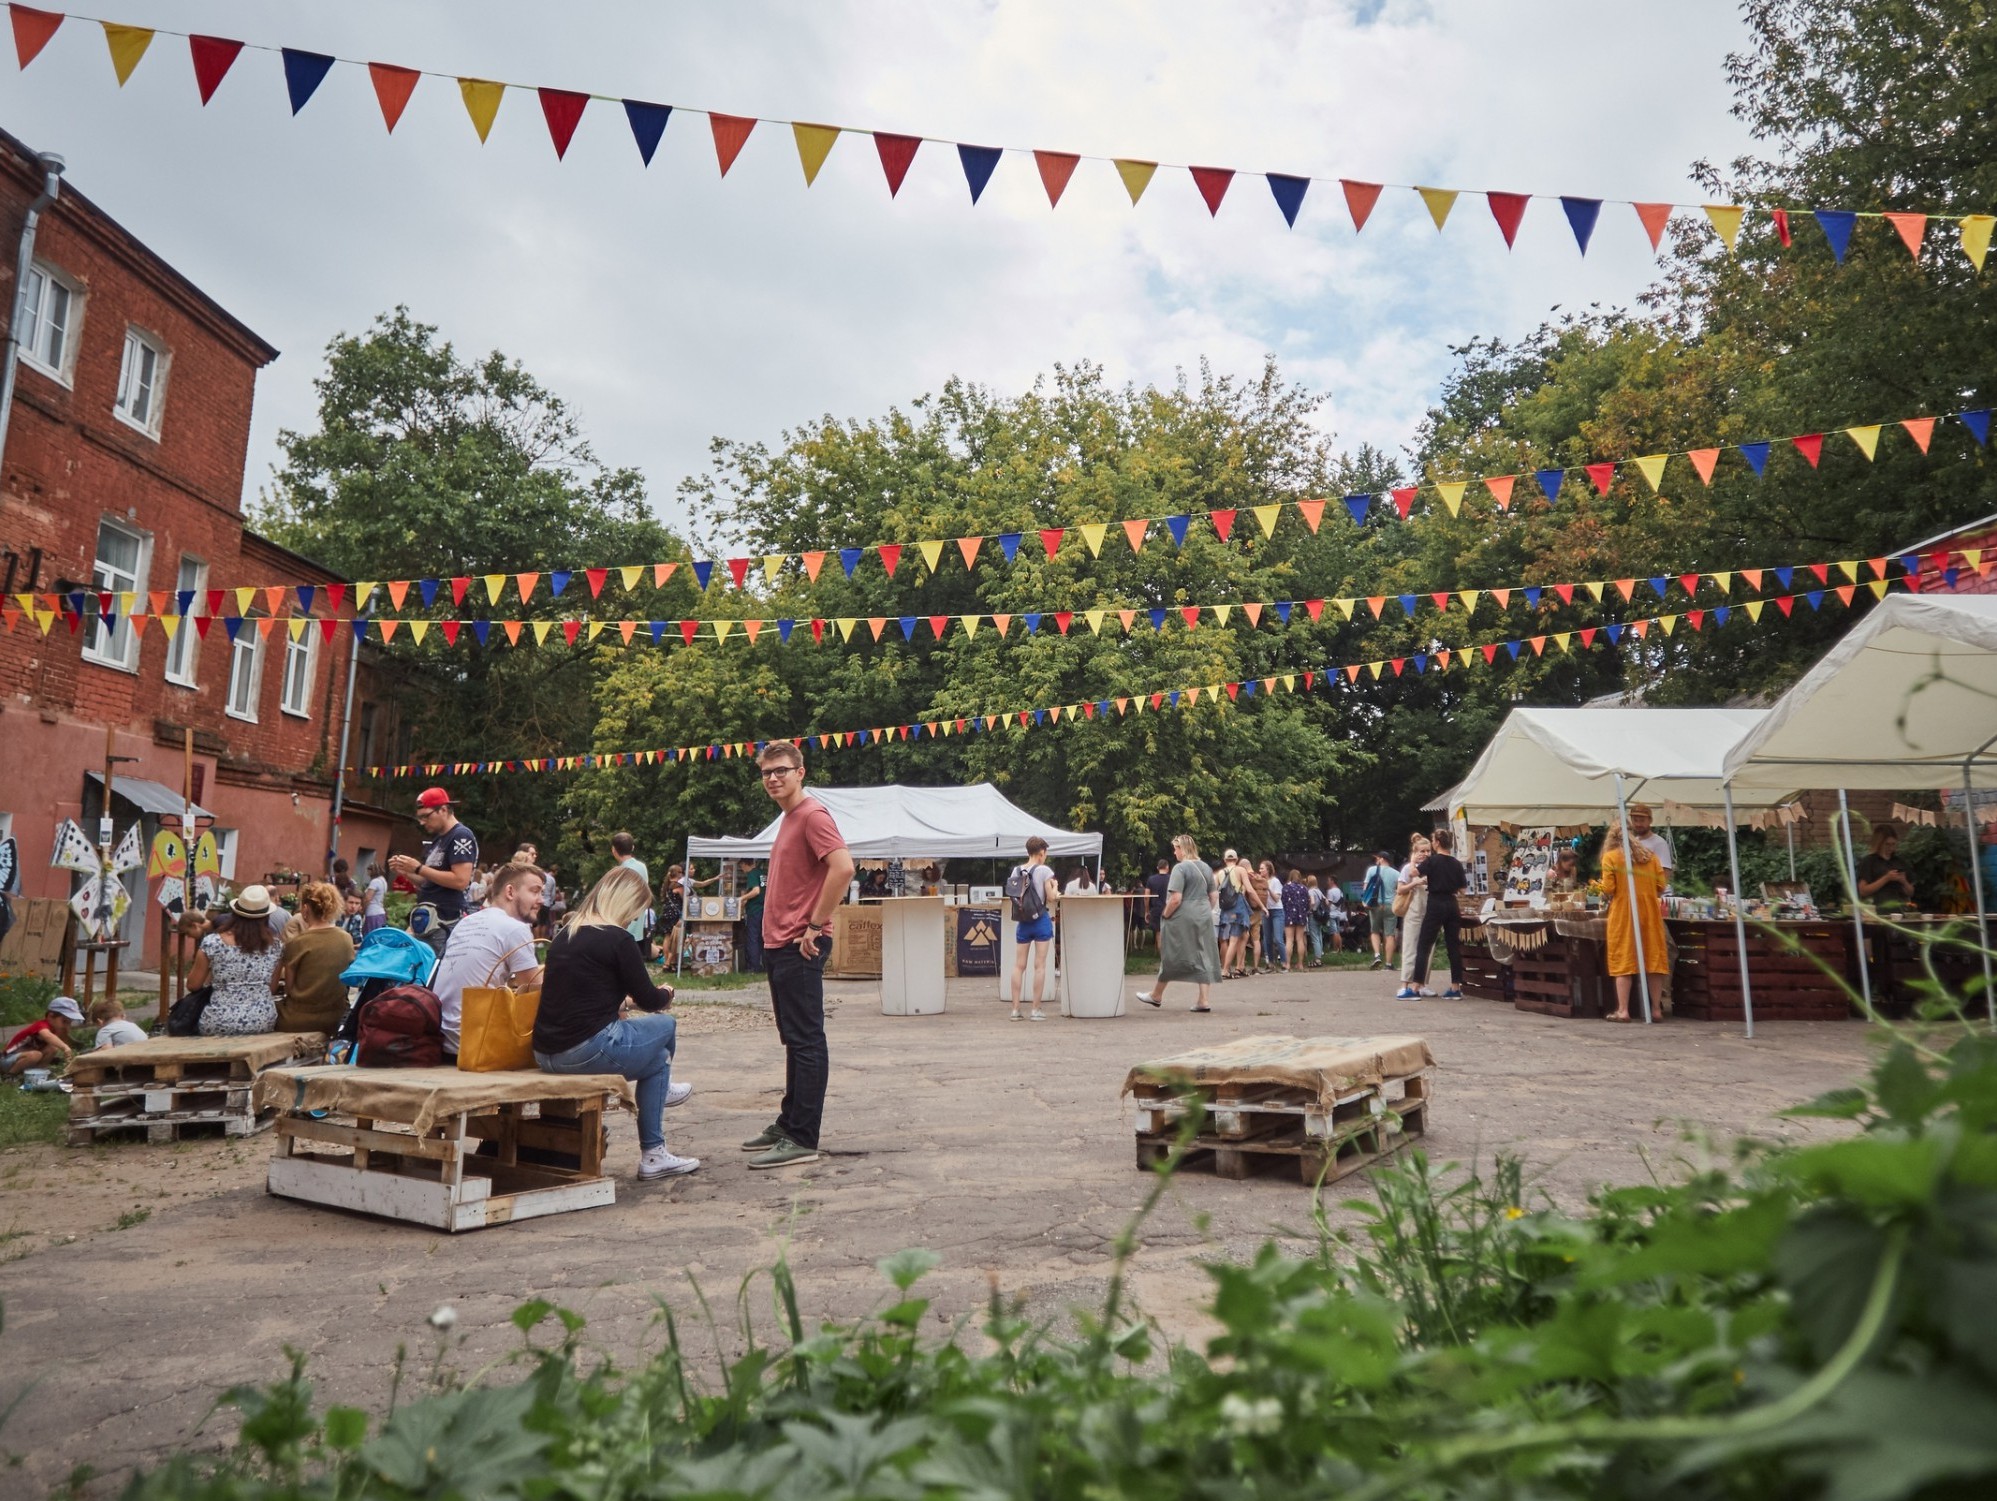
(117, 1033)
(1080, 886)
(476, 946)
(640, 925)
(1274, 886)
(1659, 846)
(377, 897)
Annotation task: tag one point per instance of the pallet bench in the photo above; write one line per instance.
(438, 1147)
(179, 1088)
(1322, 1108)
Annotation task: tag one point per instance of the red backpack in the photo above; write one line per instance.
(403, 1027)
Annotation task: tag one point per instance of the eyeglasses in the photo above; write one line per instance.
(779, 772)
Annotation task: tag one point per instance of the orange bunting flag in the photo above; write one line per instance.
(661, 572)
(1911, 228)
(32, 30)
(1500, 487)
(731, 134)
(813, 561)
(1359, 200)
(525, 582)
(1703, 460)
(1312, 511)
(1134, 530)
(392, 88)
(1654, 216)
(1056, 167)
(968, 546)
(398, 590)
(1920, 429)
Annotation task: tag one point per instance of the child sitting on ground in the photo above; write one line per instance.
(108, 1013)
(38, 1043)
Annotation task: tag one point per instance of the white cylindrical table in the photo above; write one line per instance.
(911, 955)
(1008, 951)
(1091, 956)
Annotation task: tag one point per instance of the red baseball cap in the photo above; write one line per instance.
(433, 797)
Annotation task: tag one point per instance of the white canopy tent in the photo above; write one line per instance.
(1579, 765)
(935, 823)
(1907, 699)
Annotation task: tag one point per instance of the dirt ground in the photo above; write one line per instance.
(141, 1281)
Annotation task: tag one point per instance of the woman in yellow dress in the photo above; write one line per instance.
(1634, 899)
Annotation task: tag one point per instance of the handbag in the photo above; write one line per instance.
(1404, 898)
(496, 1023)
(184, 1020)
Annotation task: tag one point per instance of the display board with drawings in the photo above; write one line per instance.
(1532, 858)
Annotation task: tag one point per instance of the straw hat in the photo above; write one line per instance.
(251, 901)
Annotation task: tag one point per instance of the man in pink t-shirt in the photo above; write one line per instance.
(810, 869)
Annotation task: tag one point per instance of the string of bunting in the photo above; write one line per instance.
(562, 111)
(1438, 659)
(1045, 542)
(44, 610)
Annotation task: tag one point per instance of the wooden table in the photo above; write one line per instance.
(1898, 949)
(1566, 975)
(1798, 970)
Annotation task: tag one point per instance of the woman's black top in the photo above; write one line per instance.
(1445, 876)
(589, 973)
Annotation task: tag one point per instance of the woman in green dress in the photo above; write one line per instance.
(1187, 948)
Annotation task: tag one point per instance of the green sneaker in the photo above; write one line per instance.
(786, 1153)
(764, 1139)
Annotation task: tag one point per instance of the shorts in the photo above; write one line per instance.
(1040, 930)
(1385, 924)
(1234, 924)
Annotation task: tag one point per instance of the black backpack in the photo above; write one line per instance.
(1027, 894)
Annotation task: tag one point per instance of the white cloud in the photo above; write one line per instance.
(670, 306)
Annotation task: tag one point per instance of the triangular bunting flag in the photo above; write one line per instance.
(1975, 233)
(1440, 201)
(1725, 219)
(1212, 183)
(1136, 177)
(1651, 467)
(1500, 486)
(32, 30)
(1452, 494)
(1265, 517)
(1920, 429)
(213, 56)
(1056, 167)
(482, 98)
(1911, 228)
(1359, 200)
(1703, 460)
(1093, 533)
(1508, 209)
(1581, 216)
(562, 109)
(979, 162)
(1289, 192)
(1867, 438)
(1133, 531)
(1810, 446)
(1312, 511)
(968, 546)
(895, 152)
(648, 124)
(814, 144)
(1653, 216)
(392, 88)
(1837, 226)
(128, 44)
(932, 553)
(731, 134)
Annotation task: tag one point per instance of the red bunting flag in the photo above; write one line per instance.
(32, 30)
(1064, 619)
(738, 570)
(448, 627)
(1404, 500)
(731, 134)
(1191, 615)
(392, 88)
(1821, 570)
(562, 109)
(1810, 446)
(1223, 523)
(1602, 476)
(1508, 209)
(938, 624)
(896, 152)
(1689, 582)
(1056, 167)
(1359, 200)
(890, 556)
(213, 57)
(817, 632)
(596, 577)
(1314, 608)
(1781, 218)
(1212, 183)
(1050, 540)
(1785, 603)
(569, 630)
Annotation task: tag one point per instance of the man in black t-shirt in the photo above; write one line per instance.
(1446, 877)
(444, 872)
(1156, 884)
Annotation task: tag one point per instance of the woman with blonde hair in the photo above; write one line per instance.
(311, 996)
(593, 966)
(1186, 946)
(1636, 906)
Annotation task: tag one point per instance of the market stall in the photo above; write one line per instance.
(912, 824)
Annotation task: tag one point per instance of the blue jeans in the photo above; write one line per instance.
(1317, 940)
(1272, 937)
(638, 1047)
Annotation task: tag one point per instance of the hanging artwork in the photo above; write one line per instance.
(10, 865)
(1532, 857)
(169, 866)
(101, 901)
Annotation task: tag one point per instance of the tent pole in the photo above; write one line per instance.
(679, 940)
(1636, 920)
(1740, 922)
(1789, 827)
(1976, 880)
(1848, 858)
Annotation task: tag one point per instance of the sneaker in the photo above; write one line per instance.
(676, 1094)
(660, 1163)
(1378, 963)
(1147, 998)
(1407, 993)
(764, 1139)
(786, 1153)
(1040, 1016)
(1452, 994)
(1425, 993)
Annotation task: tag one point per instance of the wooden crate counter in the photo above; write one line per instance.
(439, 1146)
(1798, 970)
(179, 1088)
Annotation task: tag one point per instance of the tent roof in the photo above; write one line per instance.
(937, 823)
(1901, 702)
(1559, 765)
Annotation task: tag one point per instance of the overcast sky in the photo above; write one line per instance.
(669, 305)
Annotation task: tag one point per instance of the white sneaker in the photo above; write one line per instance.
(661, 1163)
(676, 1094)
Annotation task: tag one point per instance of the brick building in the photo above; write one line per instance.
(121, 483)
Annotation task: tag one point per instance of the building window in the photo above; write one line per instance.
(245, 672)
(296, 697)
(225, 853)
(142, 382)
(48, 338)
(369, 715)
(182, 651)
(120, 569)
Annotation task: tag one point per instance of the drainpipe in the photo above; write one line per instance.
(346, 738)
(10, 359)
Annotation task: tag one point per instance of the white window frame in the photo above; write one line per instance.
(294, 696)
(249, 639)
(185, 647)
(62, 369)
(121, 650)
(137, 339)
(225, 853)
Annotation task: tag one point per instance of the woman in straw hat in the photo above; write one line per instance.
(237, 957)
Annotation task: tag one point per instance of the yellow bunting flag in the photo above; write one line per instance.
(1266, 517)
(1594, 589)
(168, 623)
(1221, 612)
(772, 566)
(541, 629)
(1667, 623)
(721, 629)
(494, 582)
(1976, 237)
(846, 624)
(1095, 620)
(295, 627)
(1440, 201)
(1563, 639)
(1849, 570)
(1651, 467)
(1878, 588)
(1753, 608)
(128, 44)
(418, 629)
(1137, 177)
(814, 144)
(1726, 223)
(1346, 607)
(482, 98)
(363, 592)
(1469, 598)
(1452, 493)
(932, 553)
(1867, 438)
(1722, 581)
(1093, 533)
(244, 598)
(970, 624)
(626, 576)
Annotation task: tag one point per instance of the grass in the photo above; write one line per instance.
(28, 1119)
(132, 1217)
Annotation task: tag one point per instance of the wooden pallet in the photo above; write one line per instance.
(1250, 1129)
(123, 1094)
(164, 1128)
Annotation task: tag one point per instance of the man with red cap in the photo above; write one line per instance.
(444, 872)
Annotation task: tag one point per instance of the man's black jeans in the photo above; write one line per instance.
(797, 992)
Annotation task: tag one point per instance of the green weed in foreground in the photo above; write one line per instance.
(1810, 1322)
(30, 1117)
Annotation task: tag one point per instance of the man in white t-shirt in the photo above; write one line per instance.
(624, 847)
(494, 942)
(1640, 832)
